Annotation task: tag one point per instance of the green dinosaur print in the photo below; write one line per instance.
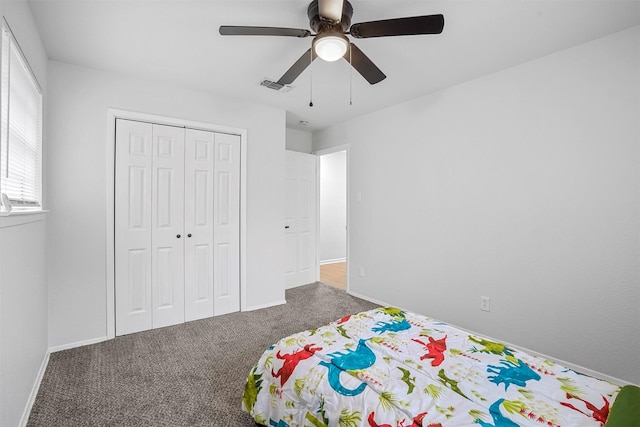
(453, 384)
(491, 347)
(392, 311)
(407, 379)
(251, 389)
(343, 332)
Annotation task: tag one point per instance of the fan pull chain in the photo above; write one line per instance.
(311, 77)
(350, 78)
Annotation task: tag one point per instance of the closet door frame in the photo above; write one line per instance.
(114, 114)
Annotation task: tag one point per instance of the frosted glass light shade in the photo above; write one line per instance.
(330, 47)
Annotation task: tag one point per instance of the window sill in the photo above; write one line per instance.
(22, 213)
(13, 218)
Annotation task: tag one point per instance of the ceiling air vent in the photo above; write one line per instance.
(276, 86)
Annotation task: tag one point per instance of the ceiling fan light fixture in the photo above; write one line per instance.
(330, 46)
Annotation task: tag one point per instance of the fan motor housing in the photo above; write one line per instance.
(319, 24)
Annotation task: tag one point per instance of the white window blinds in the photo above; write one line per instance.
(20, 127)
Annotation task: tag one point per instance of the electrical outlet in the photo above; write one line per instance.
(485, 303)
(361, 271)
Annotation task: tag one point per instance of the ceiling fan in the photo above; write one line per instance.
(331, 21)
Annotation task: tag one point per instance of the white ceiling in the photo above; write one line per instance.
(177, 42)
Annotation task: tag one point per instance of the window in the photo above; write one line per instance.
(20, 127)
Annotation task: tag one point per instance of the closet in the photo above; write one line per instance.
(177, 225)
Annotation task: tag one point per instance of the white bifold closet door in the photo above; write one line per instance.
(226, 218)
(212, 218)
(176, 225)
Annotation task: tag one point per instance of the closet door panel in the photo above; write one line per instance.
(199, 193)
(133, 226)
(167, 201)
(226, 251)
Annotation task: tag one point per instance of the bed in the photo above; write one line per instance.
(390, 368)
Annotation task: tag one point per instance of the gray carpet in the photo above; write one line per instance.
(185, 375)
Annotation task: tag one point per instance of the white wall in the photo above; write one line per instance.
(76, 183)
(333, 207)
(298, 140)
(522, 186)
(23, 313)
(23, 291)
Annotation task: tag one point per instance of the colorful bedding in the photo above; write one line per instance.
(391, 368)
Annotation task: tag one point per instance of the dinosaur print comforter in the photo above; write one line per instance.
(390, 368)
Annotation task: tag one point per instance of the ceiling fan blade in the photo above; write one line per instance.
(232, 30)
(364, 65)
(331, 10)
(298, 67)
(428, 24)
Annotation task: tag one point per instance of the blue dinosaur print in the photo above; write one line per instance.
(512, 373)
(280, 423)
(499, 420)
(360, 358)
(393, 326)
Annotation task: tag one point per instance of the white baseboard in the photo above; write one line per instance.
(34, 390)
(43, 368)
(267, 305)
(76, 344)
(572, 366)
(375, 301)
(331, 261)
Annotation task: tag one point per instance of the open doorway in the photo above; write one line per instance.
(332, 219)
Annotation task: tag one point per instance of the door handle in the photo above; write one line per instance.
(189, 235)
(178, 236)
(286, 226)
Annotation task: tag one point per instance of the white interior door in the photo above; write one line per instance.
(226, 219)
(198, 192)
(133, 227)
(167, 217)
(300, 219)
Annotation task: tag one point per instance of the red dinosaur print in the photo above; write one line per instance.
(436, 350)
(599, 414)
(417, 422)
(292, 360)
(344, 319)
(372, 421)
